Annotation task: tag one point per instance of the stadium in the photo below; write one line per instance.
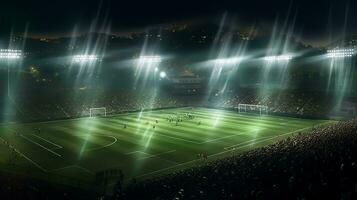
(213, 107)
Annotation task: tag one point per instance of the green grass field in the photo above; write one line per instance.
(79, 148)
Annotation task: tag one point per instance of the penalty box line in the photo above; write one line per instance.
(24, 156)
(47, 149)
(54, 144)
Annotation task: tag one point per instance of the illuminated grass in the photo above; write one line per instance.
(89, 145)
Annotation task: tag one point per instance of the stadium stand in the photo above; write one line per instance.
(58, 106)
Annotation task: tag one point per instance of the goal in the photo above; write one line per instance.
(98, 112)
(252, 108)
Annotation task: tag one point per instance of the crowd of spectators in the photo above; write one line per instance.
(321, 164)
(287, 102)
(62, 105)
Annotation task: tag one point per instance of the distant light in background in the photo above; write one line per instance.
(162, 74)
(10, 54)
(85, 58)
(279, 58)
(340, 53)
(150, 59)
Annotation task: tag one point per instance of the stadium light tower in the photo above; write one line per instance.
(341, 53)
(9, 55)
(279, 58)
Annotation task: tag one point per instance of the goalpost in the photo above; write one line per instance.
(101, 112)
(252, 108)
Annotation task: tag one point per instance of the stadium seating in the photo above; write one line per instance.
(59, 106)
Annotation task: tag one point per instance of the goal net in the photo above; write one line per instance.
(252, 108)
(98, 112)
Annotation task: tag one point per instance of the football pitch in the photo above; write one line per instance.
(141, 144)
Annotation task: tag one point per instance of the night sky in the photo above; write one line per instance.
(316, 20)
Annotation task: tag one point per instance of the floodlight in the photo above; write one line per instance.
(228, 61)
(85, 58)
(340, 53)
(162, 74)
(278, 58)
(150, 59)
(10, 54)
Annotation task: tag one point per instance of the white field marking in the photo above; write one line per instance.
(229, 136)
(270, 138)
(27, 158)
(31, 161)
(188, 162)
(176, 138)
(249, 141)
(61, 168)
(72, 166)
(220, 138)
(108, 145)
(133, 152)
(47, 149)
(171, 161)
(157, 155)
(54, 144)
(152, 156)
(223, 152)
